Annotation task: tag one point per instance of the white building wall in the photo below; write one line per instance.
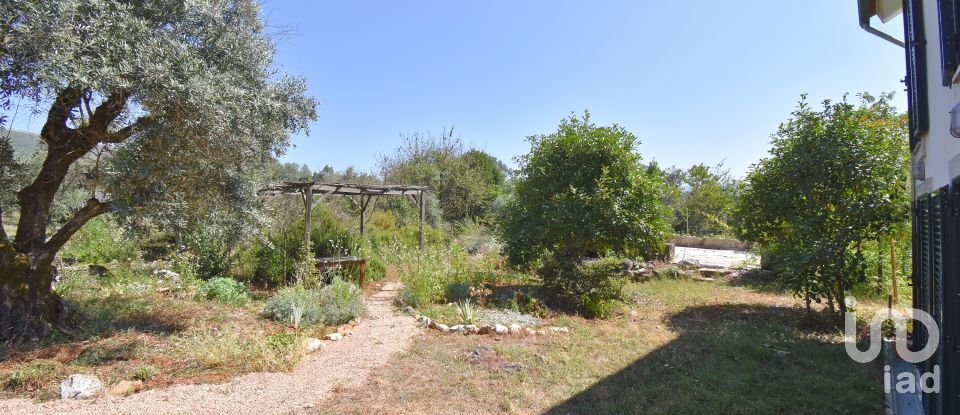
(938, 150)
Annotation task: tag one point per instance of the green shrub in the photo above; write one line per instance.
(593, 288)
(337, 303)
(427, 274)
(100, 241)
(282, 306)
(672, 272)
(527, 304)
(144, 373)
(281, 340)
(341, 302)
(226, 290)
(583, 191)
(211, 251)
(478, 239)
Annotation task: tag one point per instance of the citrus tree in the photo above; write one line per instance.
(582, 191)
(836, 177)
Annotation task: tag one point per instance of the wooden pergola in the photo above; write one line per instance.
(367, 195)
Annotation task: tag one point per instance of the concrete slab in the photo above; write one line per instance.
(717, 258)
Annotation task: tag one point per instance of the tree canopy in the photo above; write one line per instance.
(465, 182)
(582, 191)
(835, 177)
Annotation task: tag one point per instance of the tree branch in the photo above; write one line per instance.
(105, 114)
(92, 209)
(59, 114)
(124, 133)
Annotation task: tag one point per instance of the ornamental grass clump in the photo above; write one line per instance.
(337, 303)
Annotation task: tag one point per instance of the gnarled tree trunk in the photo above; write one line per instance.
(28, 305)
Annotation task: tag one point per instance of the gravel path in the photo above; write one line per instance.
(345, 363)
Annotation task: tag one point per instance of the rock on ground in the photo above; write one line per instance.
(80, 387)
(312, 345)
(125, 387)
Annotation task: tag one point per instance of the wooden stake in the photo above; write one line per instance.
(893, 269)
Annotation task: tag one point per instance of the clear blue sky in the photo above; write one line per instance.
(697, 81)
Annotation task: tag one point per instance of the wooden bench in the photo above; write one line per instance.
(341, 262)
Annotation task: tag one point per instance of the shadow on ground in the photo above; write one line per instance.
(758, 280)
(739, 359)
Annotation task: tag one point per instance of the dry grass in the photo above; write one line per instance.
(128, 330)
(681, 347)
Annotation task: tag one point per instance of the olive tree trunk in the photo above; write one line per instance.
(28, 306)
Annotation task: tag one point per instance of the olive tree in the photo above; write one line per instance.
(465, 182)
(184, 95)
(836, 177)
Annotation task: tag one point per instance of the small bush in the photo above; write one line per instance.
(281, 340)
(282, 306)
(594, 288)
(527, 304)
(226, 290)
(211, 251)
(144, 373)
(478, 239)
(341, 302)
(466, 313)
(672, 272)
(427, 274)
(337, 303)
(100, 241)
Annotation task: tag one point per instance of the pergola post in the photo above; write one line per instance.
(422, 215)
(363, 214)
(308, 206)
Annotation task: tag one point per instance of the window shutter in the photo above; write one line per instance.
(917, 105)
(948, 39)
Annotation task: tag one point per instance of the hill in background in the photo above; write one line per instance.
(24, 143)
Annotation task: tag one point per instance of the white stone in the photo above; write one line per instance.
(424, 321)
(558, 330)
(531, 331)
(335, 337)
(443, 328)
(515, 328)
(456, 329)
(470, 329)
(500, 329)
(165, 274)
(80, 387)
(313, 344)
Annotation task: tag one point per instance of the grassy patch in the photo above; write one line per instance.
(681, 347)
(132, 325)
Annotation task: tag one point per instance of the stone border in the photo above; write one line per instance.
(467, 329)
